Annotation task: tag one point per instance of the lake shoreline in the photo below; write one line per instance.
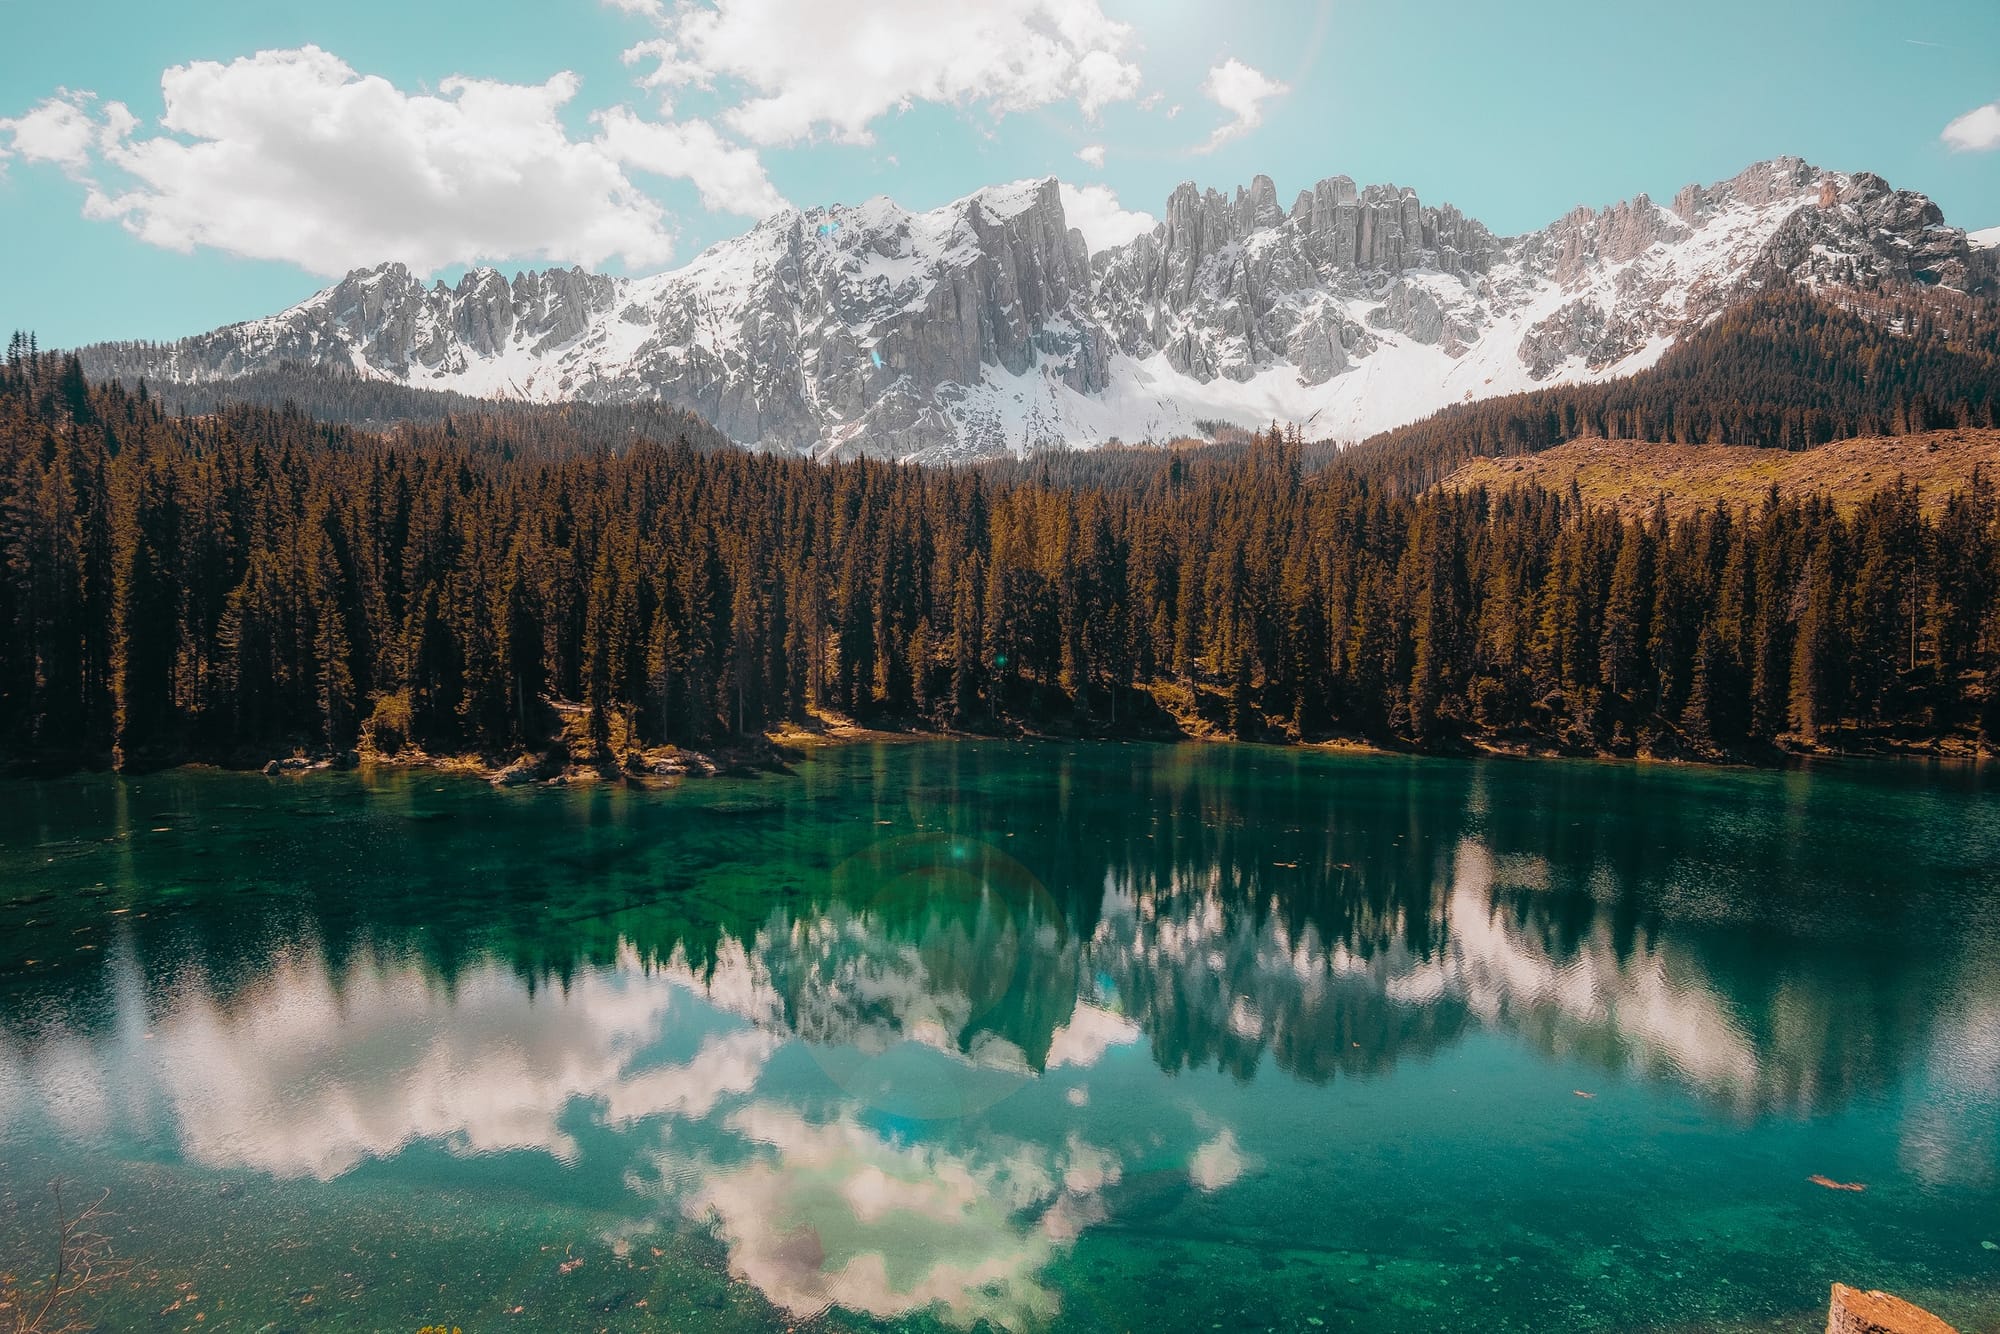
(774, 751)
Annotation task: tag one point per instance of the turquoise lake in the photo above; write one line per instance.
(1012, 1036)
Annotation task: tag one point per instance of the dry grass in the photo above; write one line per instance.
(1632, 475)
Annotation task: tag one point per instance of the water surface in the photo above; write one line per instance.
(1014, 1036)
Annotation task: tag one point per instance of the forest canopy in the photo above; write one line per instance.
(226, 584)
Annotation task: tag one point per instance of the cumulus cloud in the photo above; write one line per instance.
(1095, 211)
(1091, 155)
(61, 131)
(731, 179)
(295, 156)
(1977, 131)
(799, 69)
(1241, 91)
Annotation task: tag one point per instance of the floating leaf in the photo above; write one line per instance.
(1831, 1184)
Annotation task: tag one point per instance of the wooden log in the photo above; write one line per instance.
(1857, 1312)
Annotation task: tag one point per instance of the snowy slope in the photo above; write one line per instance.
(1985, 240)
(987, 325)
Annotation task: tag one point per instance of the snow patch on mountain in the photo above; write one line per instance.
(1989, 239)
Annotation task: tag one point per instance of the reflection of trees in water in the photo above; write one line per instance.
(1233, 902)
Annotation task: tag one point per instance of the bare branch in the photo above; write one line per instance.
(84, 1266)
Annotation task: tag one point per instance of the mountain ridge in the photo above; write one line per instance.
(988, 325)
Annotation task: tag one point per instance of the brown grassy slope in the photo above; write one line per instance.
(1632, 474)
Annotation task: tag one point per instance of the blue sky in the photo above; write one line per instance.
(628, 134)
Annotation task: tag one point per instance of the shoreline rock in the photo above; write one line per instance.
(1853, 1311)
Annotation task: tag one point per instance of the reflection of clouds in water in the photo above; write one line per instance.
(308, 1074)
(1217, 1163)
(1090, 1032)
(303, 1078)
(834, 1215)
(305, 1074)
(727, 1064)
(1655, 1004)
(1951, 1134)
(736, 980)
(1235, 982)
(63, 1080)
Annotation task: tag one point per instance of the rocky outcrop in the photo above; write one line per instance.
(1582, 331)
(1855, 1312)
(987, 325)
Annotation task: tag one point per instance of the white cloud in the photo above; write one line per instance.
(294, 156)
(1095, 211)
(61, 131)
(1977, 131)
(801, 69)
(1091, 155)
(666, 71)
(731, 179)
(1241, 91)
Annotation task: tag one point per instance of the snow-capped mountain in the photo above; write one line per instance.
(988, 325)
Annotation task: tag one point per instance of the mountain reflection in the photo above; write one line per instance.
(806, 1002)
(1235, 908)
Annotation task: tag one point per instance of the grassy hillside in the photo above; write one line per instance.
(1632, 475)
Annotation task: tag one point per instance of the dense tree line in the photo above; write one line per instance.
(202, 585)
(1787, 369)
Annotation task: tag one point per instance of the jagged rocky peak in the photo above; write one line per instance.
(1376, 227)
(389, 321)
(1764, 183)
(987, 324)
(1229, 289)
(366, 296)
(1586, 239)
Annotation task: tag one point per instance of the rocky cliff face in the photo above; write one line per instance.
(1228, 288)
(987, 325)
